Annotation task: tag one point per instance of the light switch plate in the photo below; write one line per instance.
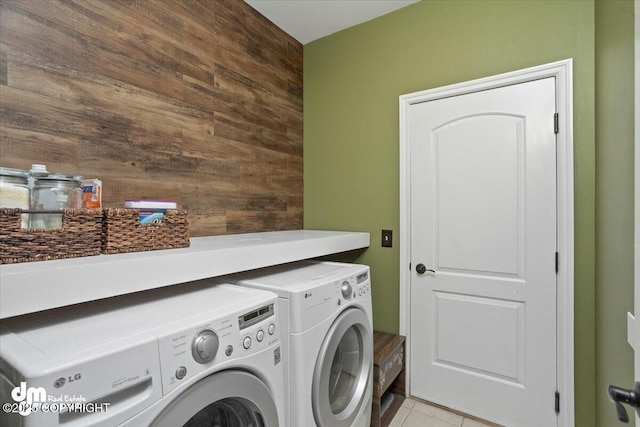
(387, 238)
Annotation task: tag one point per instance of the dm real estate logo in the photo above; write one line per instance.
(28, 398)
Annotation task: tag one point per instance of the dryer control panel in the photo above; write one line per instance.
(315, 303)
(211, 345)
(352, 288)
(355, 287)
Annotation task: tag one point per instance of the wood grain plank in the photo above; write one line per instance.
(20, 148)
(195, 100)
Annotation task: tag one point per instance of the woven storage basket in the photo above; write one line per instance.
(79, 236)
(122, 231)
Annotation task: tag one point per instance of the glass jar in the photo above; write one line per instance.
(54, 192)
(14, 191)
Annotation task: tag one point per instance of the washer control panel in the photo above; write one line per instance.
(207, 345)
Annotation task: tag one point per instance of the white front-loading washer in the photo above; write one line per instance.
(198, 354)
(327, 339)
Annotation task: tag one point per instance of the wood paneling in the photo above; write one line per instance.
(194, 100)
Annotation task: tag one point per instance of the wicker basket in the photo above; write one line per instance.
(79, 236)
(122, 231)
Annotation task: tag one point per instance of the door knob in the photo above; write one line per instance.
(421, 269)
(630, 397)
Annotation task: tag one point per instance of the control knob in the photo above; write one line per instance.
(346, 289)
(205, 346)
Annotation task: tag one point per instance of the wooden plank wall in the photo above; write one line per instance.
(199, 101)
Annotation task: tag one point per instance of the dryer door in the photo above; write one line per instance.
(343, 370)
(225, 399)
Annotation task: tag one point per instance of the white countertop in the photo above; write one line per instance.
(35, 286)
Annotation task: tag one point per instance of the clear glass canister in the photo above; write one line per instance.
(14, 191)
(54, 192)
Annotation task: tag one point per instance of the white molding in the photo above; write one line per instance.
(635, 340)
(563, 73)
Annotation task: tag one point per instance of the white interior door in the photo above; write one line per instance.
(483, 253)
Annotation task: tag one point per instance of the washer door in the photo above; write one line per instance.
(225, 399)
(342, 370)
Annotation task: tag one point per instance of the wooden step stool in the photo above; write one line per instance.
(388, 377)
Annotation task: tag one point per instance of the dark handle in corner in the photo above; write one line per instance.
(630, 397)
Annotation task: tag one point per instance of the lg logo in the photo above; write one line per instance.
(63, 380)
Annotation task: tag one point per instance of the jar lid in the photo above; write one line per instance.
(17, 173)
(39, 170)
(60, 177)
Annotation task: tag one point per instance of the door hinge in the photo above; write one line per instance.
(557, 262)
(556, 123)
(557, 402)
(409, 266)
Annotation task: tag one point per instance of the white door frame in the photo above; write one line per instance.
(563, 73)
(633, 320)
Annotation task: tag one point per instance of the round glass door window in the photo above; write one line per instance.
(343, 370)
(225, 399)
(230, 412)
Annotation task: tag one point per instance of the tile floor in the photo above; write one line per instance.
(415, 413)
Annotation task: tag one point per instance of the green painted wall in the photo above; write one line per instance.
(352, 81)
(614, 198)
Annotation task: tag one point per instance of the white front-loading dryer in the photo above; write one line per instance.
(189, 355)
(327, 339)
